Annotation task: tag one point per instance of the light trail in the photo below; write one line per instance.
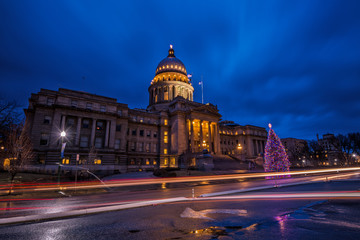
(268, 196)
(332, 177)
(150, 181)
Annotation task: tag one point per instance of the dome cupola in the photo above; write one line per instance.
(170, 80)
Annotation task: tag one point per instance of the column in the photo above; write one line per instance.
(107, 133)
(217, 141)
(63, 119)
(192, 135)
(78, 127)
(209, 133)
(201, 135)
(92, 132)
(112, 131)
(187, 137)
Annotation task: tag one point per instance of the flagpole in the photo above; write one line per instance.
(202, 90)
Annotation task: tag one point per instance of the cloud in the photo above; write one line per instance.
(295, 64)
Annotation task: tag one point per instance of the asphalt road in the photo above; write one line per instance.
(260, 219)
(35, 205)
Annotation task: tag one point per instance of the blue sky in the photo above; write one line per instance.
(295, 64)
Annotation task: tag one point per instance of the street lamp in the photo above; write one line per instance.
(62, 135)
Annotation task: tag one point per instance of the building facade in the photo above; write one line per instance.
(107, 135)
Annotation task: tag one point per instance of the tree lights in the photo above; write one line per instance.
(275, 159)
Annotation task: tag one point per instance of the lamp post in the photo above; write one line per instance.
(239, 148)
(62, 135)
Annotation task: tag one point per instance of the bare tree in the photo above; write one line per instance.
(316, 151)
(9, 115)
(18, 150)
(355, 142)
(343, 146)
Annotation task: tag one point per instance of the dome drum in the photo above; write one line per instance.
(169, 90)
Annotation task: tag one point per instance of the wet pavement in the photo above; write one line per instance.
(227, 219)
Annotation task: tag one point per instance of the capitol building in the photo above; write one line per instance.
(172, 132)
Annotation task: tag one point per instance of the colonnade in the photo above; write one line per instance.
(202, 135)
(168, 93)
(107, 126)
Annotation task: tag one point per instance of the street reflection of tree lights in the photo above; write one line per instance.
(281, 220)
(163, 185)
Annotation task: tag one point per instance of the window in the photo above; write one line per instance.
(74, 103)
(132, 146)
(134, 118)
(98, 142)
(102, 108)
(166, 161)
(86, 123)
(147, 147)
(154, 162)
(89, 106)
(117, 144)
(97, 161)
(47, 120)
(155, 134)
(118, 127)
(165, 150)
(44, 139)
(133, 132)
(99, 125)
(70, 122)
(132, 161)
(65, 160)
(155, 147)
(141, 119)
(172, 161)
(165, 137)
(165, 122)
(141, 147)
(141, 133)
(50, 101)
(119, 112)
(147, 162)
(84, 141)
(148, 133)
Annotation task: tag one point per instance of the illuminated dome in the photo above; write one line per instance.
(170, 64)
(170, 81)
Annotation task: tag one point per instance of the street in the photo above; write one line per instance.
(123, 195)
(306, 218)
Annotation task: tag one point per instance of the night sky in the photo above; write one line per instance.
(295, 64)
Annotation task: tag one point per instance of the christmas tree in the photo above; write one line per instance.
(275, 159)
